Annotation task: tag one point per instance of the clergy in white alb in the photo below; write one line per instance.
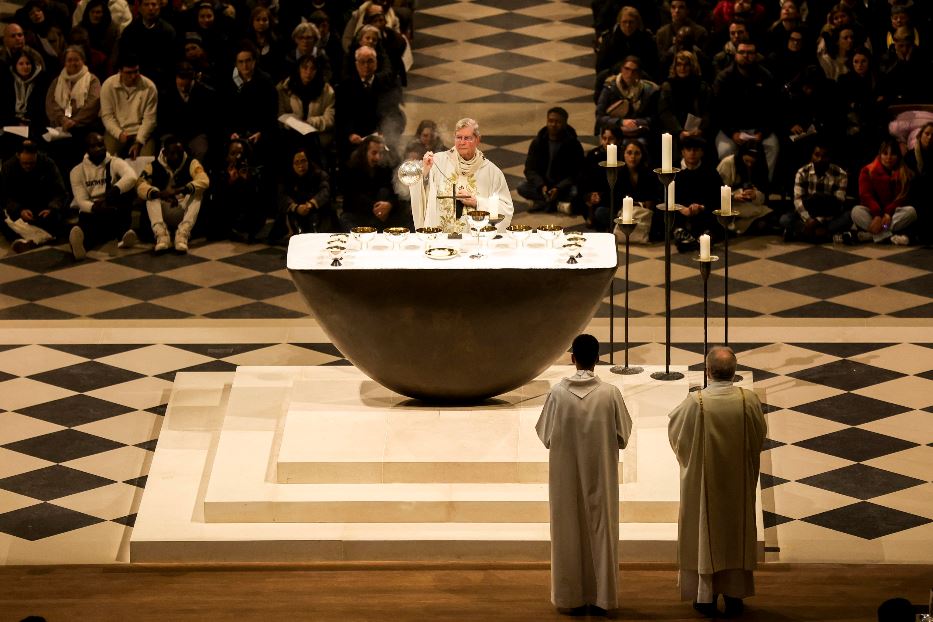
(717, 434)
(463, 172)
(584, 424)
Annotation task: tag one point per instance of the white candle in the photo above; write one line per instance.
(493, 205)
(611, 155)
(725, 200)
(628, 210)
(666, 149)
(704, 246)
(671, 202)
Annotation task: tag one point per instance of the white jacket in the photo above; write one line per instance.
(89, 180)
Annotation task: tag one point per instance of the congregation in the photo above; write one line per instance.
(157, 119)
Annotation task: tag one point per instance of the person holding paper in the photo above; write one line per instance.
(33, 198)
(553, 163)
(584, 424)
(459, 180)
(717, 435)
(306, 99)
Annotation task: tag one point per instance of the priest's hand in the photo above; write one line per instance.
(467, 200)
(381, 210)
(427, 162)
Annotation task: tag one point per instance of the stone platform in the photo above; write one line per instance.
(323, 464)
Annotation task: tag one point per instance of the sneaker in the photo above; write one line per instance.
(162, 239)
(129, 239)
(565, 208)
(21, 245)
(899, 239)
(847, 238)
(684, 240)
(76, 239)
(181, 238)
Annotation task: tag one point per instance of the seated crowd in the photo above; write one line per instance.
(774, 98)
(199, 119)
(180, 120)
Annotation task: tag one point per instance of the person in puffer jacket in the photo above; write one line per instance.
(102, 187)
(172, 187)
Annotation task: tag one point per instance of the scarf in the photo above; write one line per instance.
(469, 168)
(71, 91)
(23, 89)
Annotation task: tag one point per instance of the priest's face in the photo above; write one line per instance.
(466, 142)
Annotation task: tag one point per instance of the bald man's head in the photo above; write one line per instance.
(720, 363)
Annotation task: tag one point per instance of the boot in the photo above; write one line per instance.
(162, 239)
(181, 237)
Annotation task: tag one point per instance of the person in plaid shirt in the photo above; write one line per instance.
(819, 201)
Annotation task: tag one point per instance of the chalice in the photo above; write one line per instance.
(364, 235)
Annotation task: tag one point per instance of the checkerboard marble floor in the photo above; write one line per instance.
(840, 339)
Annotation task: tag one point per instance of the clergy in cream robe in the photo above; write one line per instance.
(477, 177)
(584, 424)
(717, 434)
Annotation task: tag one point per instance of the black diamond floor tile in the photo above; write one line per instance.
(259, 287)
(324, 348)
(770, 519)
(850, 409)
(506, 21)
(419, 99)
(581, 40)
(504, 61)
(770, 481)
(148, 445)
(427, 20)
(618, 310)
(425, 60)
(139, 482)
(209, 366)
(856, 444)
(43, 521)
(715, 310)
(5, 376)
(42, 261)
(220, 350)
(95, 350)
(735, 259)
(150, 262)
(338, 363)
(716, 284)
(74, 410)
(867, 520)
(255, 310)
(129, 521)
(417, 81)
(506, 158)
(509, 5)
(861, 481)
(149, 287)
(264, 260)
(587, 60)
(32, 311)
(87, 376)
(52, 482)
(618, 288)
(502, 98)
(927, 374)
(158, 410)
(822, 286)
(824, 308)
(63, 445)
(920, 258)
(770, 443)
(37, 288)
(503, 82)
(923, 311)
(846, 375)
(818, 258)
(141, 311)
(580, 20)
(921, 285)
(842, 350)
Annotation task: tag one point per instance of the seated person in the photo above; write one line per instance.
(188, 111)
(73, 105)
(102, 186)
(697, 195)
(235, 208)
(128, 103)
(172, 186)
(819, 201)
(635, 180)
(369, 199)
(553, 164)
(304, 198)
(745, 172)
(594, 187)
(883, 188)
(428, 136)
(33, 197)
(920, 161)
(627, 102)
(306, 96)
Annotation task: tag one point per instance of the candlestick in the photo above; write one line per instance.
(667, 182)
(628, 210)
(728, 224)
(626, 228)
(705, 265)
(666, 150)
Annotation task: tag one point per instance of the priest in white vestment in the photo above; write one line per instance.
(584, 424)
(463, 172)
(717, 434)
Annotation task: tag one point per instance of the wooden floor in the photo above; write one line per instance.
(423, 592)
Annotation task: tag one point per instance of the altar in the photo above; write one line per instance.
(455, 329)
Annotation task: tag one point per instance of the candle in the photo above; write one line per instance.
(492, 205)
(628, 210)
(725, 200)
(670, 195)
(704, 246)
(611, 155)
(666, 148)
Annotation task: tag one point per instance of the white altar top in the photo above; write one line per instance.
(308, 252)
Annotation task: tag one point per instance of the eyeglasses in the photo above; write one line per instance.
(465, 139)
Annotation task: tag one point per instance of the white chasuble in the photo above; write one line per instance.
(717, 435)
(584, 424)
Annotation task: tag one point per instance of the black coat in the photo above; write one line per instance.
(567, 165)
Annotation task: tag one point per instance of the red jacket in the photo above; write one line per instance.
(880, 190)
